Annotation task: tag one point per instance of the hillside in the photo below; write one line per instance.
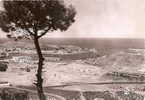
(80, 70)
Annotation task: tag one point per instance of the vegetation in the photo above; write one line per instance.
(3, 67)
(13, 94)
(34, 19)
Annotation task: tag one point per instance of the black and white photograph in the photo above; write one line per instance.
(72, 50)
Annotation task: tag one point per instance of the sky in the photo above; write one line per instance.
(105, 19)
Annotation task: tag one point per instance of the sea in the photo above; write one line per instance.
(97, 43)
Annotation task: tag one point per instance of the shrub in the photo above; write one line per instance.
(13, 94)
(3, 67)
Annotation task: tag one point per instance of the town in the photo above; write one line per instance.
(69, 66)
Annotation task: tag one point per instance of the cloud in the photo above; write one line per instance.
(106, 18)
(109, 18)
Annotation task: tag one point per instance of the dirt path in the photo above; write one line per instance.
(96, 83)
(105, 83)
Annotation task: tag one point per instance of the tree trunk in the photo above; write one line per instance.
(39, 83)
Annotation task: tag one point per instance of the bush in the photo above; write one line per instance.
(3, 67)
(13, 94)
